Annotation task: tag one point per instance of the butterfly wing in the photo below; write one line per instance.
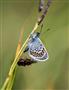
(37, 51)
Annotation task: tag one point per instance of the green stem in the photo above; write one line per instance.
(11, 80)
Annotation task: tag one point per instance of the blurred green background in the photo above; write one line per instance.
(22, 14)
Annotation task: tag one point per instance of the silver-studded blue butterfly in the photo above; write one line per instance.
(36, 49)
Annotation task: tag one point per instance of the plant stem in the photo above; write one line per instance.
(11, 80)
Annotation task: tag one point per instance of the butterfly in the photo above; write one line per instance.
(36, 49)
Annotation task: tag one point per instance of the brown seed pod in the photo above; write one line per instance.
(41, 5)
(25, 62)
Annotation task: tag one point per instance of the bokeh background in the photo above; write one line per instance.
(22, 14)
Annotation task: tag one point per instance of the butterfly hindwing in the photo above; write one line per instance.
(37, 51)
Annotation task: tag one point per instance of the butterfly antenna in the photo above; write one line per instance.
(41, 28)
(38, 33)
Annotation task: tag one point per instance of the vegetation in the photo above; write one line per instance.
(52, 74)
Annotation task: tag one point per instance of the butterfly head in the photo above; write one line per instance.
(34, 35)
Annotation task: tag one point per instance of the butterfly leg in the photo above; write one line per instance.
(26, 49)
